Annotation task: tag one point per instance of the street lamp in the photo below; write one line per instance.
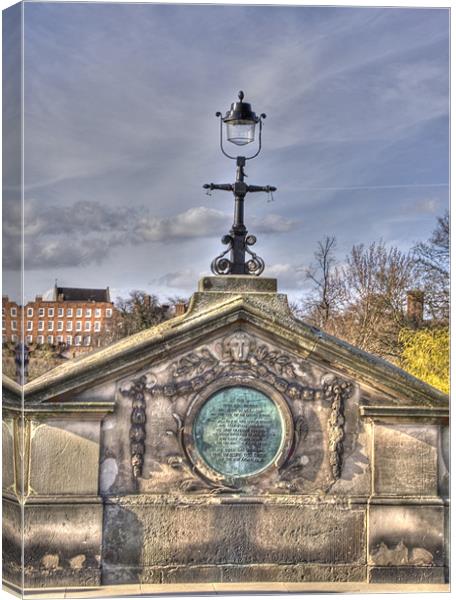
(240, 122)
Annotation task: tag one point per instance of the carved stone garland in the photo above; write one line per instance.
(337, 391)
(136, 390)
(201, 368)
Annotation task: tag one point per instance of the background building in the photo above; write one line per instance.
(76, 317)
(11, 320)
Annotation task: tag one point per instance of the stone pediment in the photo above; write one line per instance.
(236, 432)
(224, 303)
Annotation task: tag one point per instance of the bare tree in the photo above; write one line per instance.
(137, 312)
(363, 300)
(324, 300)
(376, 279)
(432, 261)
(140, 311)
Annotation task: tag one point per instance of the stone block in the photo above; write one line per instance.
(402, 536)
(238, 284)
(231, 534)
(406, 574)
(271, 573)
(444, 461)
(11, 541)
(7, 454)
(405, 459)
(293, 573)
(62, 544)
(64, 458)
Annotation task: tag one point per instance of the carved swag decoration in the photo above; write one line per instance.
(136, 390)
(238, 353)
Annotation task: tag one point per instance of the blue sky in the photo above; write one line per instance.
(120, 136)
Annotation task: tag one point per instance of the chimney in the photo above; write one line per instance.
(415, 306)
(181, 308)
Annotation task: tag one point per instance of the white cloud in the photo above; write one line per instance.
(272, 223)
(85, 232)
(203, 222)
(120, 136)
(427, 205)
(289, 276)
(195, 222)
(181, 280)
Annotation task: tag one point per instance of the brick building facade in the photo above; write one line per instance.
(11, 320)
(76, 317)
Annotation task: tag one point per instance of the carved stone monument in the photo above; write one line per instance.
(231, 444)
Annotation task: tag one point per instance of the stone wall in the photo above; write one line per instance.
(115, 490)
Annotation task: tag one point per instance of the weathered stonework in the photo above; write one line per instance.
(115, 490)
(408, 459)
(227, 535)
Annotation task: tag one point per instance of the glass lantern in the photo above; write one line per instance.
(240, 122)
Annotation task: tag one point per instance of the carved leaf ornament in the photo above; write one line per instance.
(240, 353)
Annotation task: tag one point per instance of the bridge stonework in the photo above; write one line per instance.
(311, 461)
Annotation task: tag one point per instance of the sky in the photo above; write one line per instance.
(120, 136)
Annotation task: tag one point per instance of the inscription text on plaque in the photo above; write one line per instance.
(238, 431)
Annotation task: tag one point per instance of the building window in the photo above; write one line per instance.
(41, 312)
(40, 339)
(3, 324)
(3, 312)
(98, 312)
(77, 340)
(30, 311)
(14, 338)
(14, 325)
(69, 339)
(87, 340)
(109, 312)
(60, 312)
(50, 339)
(4, 339)
(13, 311)
(69, 312)
(40, 325)
(29, 339)
(29, 325)
(87, 326)
(78, 325)
(97, 326)
(79, 312)
(59, 339)
(88, 312)
(50, 312)
(50, 325)
(69, 326)
(59, 325)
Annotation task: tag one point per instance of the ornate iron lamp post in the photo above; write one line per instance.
(240, 123)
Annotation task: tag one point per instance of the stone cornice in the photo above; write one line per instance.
(405, 412)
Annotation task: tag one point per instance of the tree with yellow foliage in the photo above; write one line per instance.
(426, 355)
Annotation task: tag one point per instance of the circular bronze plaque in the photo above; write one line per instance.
(238, 431)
